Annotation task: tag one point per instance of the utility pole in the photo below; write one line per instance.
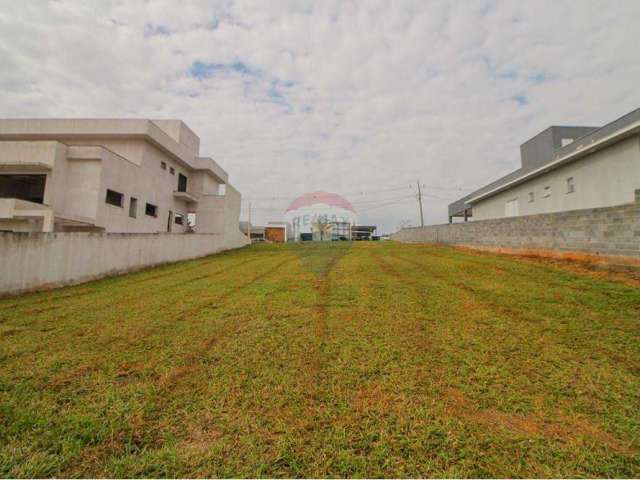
(420, 203)
(249, 223)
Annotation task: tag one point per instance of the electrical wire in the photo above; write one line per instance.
(364, 192)
(384, 205)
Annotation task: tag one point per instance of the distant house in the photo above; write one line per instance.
(564, 168)
(274, 232)
(100, 175)
(258, 234)
(277, 232)
(363, 232)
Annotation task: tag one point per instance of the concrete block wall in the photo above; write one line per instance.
(32, 261)
(610, 231)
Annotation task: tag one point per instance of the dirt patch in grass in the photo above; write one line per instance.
(373, 400)
(71, 376)
(621, 269)
(563, 429)
(629, 274)
(200, 439)
(170, 379)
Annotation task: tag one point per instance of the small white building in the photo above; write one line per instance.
(125, 176)
(564, 168)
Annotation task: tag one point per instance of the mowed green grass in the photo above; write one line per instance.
(313, 360)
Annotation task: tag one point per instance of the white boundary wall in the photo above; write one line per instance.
(34, 261)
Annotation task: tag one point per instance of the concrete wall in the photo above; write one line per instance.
(27, 153)
(182, 134)
(605, 178)
(30, 261)
(611, 231)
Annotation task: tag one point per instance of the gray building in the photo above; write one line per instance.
(564, 168)
(110, 175)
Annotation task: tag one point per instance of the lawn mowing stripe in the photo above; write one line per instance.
(506, 290)
(130, 310)
(613, 441)
(132, 293)
(504, 317)
(345, 363)
(369, 364)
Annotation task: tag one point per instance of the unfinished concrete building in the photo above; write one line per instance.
(110, 175)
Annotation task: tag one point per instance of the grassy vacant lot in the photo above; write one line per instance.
(373, 359)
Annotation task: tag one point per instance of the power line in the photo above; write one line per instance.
(397, 202)
(363, 192)
(359, 207)
(379, 200)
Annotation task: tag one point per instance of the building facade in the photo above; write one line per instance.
(115, 176)
(563, 169)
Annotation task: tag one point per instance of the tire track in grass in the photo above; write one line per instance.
(175, 269)
(191, 271)
(485, 313)
(122, 280)
(224, 269)
(322, 286)
(308, 400)
(219, 302)
(502, 263)
(320, 311)
(218, 299)
(444, 301)
(380, 375)
(542, 321)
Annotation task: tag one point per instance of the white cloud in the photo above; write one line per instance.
(350, 96)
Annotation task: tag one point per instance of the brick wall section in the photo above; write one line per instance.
(611, 231)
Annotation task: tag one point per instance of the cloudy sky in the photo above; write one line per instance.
(360, 98)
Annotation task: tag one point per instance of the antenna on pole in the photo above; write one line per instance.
(420, 203)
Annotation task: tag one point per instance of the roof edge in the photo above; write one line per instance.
(581, 146)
